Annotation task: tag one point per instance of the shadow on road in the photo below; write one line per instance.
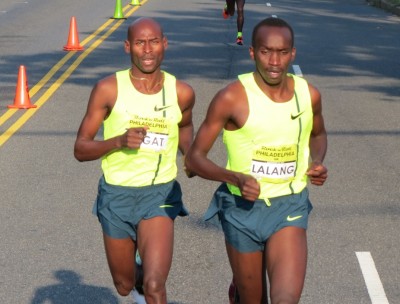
(71, 289)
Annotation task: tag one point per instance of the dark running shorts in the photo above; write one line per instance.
(248, 225)
(120, 209)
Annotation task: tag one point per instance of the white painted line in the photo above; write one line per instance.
(371, 277)
(297, 70)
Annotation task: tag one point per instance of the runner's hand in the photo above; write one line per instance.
(317, 173)
(133, 137)
(249, 187)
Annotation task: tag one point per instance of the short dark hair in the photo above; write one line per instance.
(273, 22)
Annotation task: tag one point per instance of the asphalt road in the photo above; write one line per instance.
(51, 245)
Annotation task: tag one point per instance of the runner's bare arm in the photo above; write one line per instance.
(218, 114)
(186, 100)
(101, 101)
(317, 172)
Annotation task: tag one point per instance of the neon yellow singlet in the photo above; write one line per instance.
(273, 144)
(155, 161)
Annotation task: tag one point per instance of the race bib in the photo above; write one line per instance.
(155, 141)
(157, 135)
(274, 164)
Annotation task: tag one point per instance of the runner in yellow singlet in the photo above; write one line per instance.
(275, 137)
(147, 116)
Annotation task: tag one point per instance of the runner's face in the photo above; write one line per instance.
(146, 46)
(273, 53)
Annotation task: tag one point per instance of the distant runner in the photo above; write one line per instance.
(229, 10)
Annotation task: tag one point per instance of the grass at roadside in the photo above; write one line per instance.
(394, 2)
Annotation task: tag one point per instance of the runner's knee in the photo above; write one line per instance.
(285, 297)
(154, 285)
(124, 287)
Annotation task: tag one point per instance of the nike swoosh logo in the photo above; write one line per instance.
(294, 116)
(291, 219)
(166, 206)
(157, 109)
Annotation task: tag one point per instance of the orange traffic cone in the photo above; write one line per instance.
(22, 99)
(73, 39)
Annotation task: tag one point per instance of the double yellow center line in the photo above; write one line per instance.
(128, 11)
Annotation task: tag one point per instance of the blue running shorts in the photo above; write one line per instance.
(120, 209)
(248, 225)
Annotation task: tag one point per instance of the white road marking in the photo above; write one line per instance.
(297, 70)
(371, 277)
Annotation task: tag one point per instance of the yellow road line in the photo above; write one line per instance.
(56, 67)
(50, 91)
(10, 112)
(7, 115)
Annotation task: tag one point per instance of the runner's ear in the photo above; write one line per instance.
(127, 46)
(165, 42)
(293, 54)
(251, 52)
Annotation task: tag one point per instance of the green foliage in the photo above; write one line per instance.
(395, 2)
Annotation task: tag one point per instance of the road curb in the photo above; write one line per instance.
(394, 9)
